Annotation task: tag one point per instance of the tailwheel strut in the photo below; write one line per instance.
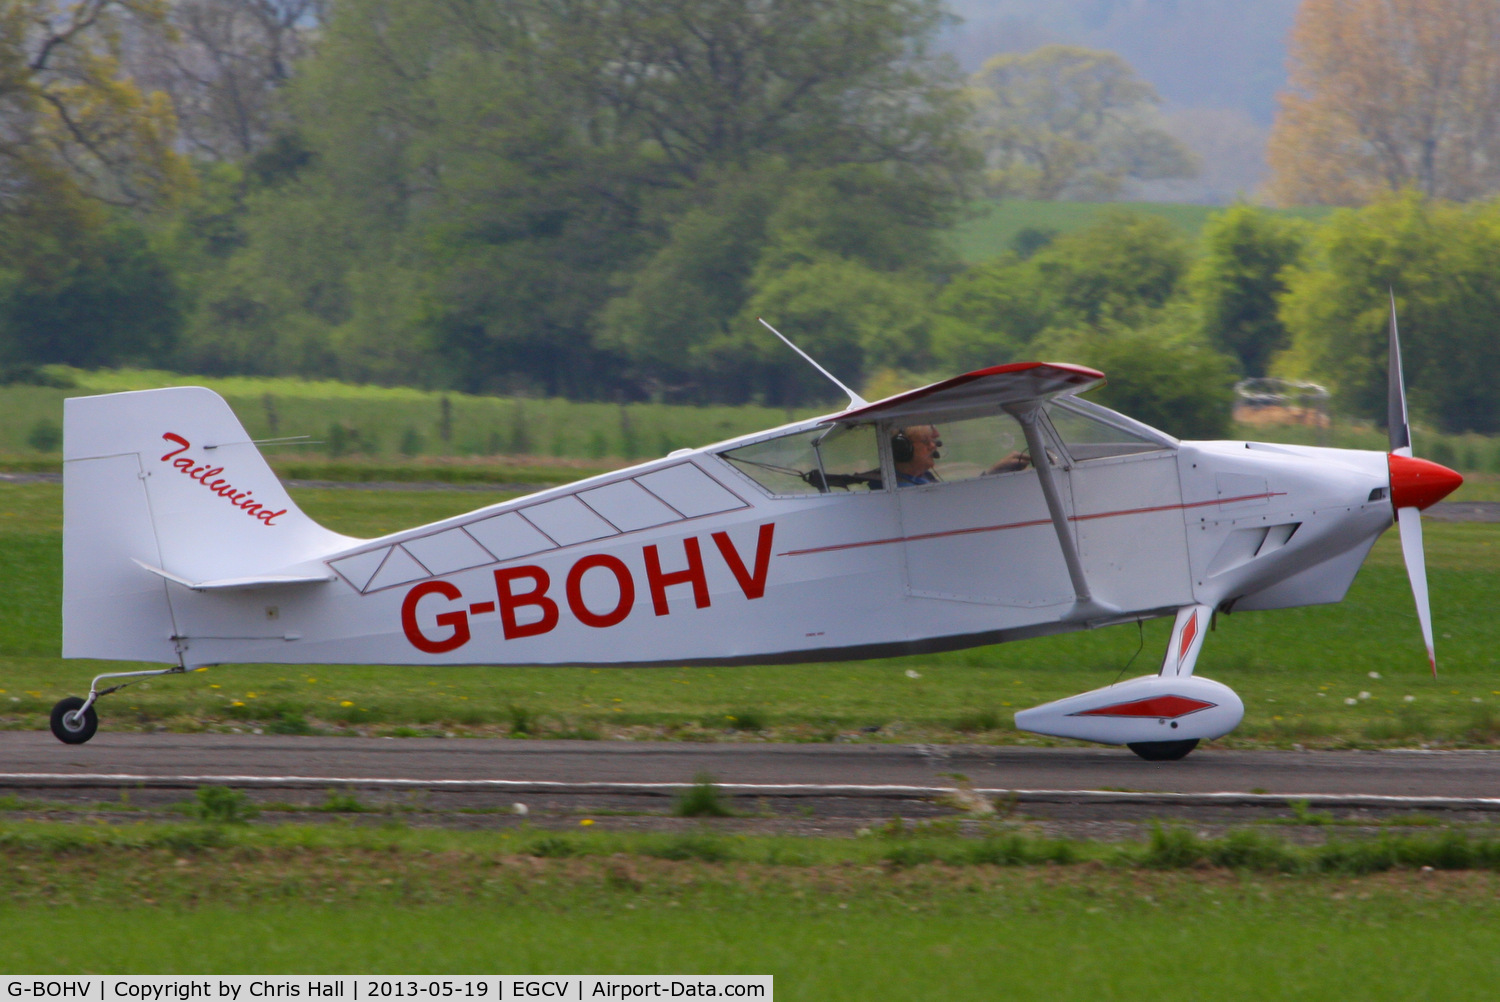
(75, 720)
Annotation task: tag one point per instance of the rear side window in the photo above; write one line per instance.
(812, 462)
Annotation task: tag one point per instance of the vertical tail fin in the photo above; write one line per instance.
(159, 486)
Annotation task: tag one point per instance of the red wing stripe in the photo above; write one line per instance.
(1027, 525)
(1152, 706)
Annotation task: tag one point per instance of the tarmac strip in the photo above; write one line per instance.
(40, 780)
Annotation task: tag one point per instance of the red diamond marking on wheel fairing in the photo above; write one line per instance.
(1153, 706)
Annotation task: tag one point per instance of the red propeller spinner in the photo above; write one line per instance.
(1419, 483)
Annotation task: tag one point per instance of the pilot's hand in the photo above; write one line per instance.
(1011, 463)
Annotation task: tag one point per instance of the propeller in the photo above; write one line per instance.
(1415, 484)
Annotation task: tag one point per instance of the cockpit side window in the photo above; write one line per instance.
(818, 461)
(1088, 437)
(957, 450)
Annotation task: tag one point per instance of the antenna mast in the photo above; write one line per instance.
(855, 400)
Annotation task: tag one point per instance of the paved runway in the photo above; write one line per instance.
(1394, 779)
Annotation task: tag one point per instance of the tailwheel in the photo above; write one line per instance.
(69, 725)
(1163, 751)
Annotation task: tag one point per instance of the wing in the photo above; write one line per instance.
(998, 385)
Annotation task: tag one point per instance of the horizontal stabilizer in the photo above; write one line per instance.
(240, 583)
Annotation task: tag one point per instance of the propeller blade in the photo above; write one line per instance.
(1395, 418)
(1410, 522)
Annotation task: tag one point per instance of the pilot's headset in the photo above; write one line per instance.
(902, 450)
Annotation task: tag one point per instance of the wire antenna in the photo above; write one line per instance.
(855, 400)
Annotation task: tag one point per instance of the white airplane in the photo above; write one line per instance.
(854, 535)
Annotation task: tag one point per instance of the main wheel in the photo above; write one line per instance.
(1163, 751)
(70, 727)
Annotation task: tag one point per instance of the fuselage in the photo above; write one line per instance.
(692, 559)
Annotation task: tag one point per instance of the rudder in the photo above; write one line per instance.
(159, 486)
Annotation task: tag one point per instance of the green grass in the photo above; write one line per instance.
(989, 228)
(524, 441)
(385, 426)
(829, 918)
(1295, 668)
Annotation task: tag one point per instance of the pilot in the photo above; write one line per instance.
(915, 449)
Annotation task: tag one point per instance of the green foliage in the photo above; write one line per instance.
(985, 315)
(81, 285)
(221, 805)
(975, 721)
(485, 200)
(343, 802)
(1439, 260)
(1161, 374)
(1106, 295)
(702, 800)
(45, 436)
(1119, 268)
(840, 258)
(1239, 278)
(552, 847)
(703, 846)
(522, 720)
(746, 719)
(289, 722)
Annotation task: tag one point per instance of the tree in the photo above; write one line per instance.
(1183, 388)
(86, 288)
(1388, 94)
(80, 279)
(481, 180)
(1438, 257)
(224, 64)
(1067, 122)
(1160, 371)
(852, 318)
(1239, 279)
(1121, 268)
(69, 117)
(985, 314)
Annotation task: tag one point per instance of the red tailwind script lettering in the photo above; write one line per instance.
(209, 477)
(526, 608)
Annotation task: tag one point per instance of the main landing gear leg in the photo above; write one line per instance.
(1182, 655)
(74, 720)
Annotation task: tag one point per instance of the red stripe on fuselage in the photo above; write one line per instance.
(1030, 524)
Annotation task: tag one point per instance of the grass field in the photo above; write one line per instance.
(830, 919)
(1332, 676)
(394, 424)
(990, 228)
(371, 433)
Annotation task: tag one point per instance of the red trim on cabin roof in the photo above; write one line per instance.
(1077, 375)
